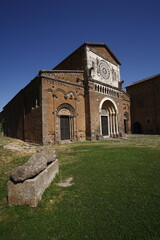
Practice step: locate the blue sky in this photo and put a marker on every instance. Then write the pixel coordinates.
(38, 34)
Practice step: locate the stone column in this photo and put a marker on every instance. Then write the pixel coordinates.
(114, 129)
(116, 118)
(110, 124)
(71, 128)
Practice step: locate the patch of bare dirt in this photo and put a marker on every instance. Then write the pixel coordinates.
(20, 146)
(66, 183)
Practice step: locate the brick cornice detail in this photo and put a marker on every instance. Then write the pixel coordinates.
(61, 81)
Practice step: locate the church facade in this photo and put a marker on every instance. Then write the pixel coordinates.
(80, 99)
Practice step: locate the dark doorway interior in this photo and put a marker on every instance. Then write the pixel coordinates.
(104, 120)
(137, 129)
(125, 125)
(65, 130)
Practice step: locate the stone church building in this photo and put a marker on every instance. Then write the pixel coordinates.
(79, 99)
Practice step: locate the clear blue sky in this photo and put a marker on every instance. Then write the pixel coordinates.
(36, 34)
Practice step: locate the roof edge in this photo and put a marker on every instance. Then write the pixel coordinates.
(89, 44)
(61, 71)
(107, 48)
(143, 80)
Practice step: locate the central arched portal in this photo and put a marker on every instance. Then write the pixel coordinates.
(108, 118)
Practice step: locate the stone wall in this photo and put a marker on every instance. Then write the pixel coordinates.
(145, 105)
(28, 182)
(22, 115)
(118, 99)
(1, 124)
(59, 95)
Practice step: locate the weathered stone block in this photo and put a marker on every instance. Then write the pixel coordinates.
(30, 191)
(37, 163)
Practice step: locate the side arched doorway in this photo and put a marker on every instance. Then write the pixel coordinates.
(66, 115)
(108, 118)
(126, 123)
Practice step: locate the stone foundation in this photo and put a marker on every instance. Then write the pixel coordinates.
(30, 191)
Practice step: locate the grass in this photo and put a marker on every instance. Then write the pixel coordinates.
(115, 194)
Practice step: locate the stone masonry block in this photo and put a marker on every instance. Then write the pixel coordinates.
(30, 191)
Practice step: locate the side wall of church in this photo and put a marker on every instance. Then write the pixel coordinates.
(22, 115)
(63, 98)
(13, 117)
(1, 124)
(145, 106)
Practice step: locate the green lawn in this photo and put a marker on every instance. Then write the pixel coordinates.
(115, 194)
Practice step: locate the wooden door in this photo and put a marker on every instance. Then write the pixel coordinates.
(104, 122)
(65, 129)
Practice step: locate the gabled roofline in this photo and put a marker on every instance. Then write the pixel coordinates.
(143, 80)
(103, 45)
(90, 44)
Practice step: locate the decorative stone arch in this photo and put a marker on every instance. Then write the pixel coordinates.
(126, 115)
(62, 91)
(66, 107)
(105, 99)
(49, 90)
(108, 118)
(71, 94)
(66, 114)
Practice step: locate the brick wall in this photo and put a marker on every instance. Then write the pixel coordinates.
(22, 114)
(56, 93)
(93, 100)
(145, 105)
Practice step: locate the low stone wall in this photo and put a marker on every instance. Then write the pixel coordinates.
(30, 191)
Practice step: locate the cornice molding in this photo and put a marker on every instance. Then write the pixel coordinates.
(61, 81)
(61, 71)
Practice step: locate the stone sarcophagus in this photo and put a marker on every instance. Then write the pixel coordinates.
(28, 182)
